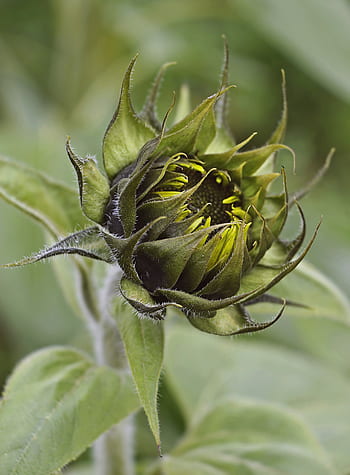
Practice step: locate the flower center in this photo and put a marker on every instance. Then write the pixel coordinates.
(216, 192)
(217, 199)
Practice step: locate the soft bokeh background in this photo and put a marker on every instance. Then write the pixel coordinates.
(62, 63)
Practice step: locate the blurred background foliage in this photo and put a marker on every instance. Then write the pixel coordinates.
(62, 62)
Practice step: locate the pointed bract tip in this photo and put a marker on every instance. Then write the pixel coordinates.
(329, 157)
(283, 74)
(167, 114)
(159, 448)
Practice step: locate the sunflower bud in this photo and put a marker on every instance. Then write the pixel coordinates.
(186, 214)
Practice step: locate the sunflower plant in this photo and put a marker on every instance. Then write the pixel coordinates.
(188, 222)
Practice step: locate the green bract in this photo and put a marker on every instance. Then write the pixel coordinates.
(186, 214)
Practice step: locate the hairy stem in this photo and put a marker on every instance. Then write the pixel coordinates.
(113, 451)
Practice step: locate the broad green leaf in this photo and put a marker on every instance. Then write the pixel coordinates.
(262, 373)
(302, 31)
(52, 204)
(55, 404)
(56, 207)
(242, 437)
(143, 340)
(315, 336)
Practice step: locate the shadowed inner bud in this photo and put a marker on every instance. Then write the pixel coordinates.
(205, 200)
(203, 220)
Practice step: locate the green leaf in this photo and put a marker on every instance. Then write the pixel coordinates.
(298, 29)
(143, 340)
(54, 205)
(263, 373)
(55, 404)
(126, 133)
(241, 437)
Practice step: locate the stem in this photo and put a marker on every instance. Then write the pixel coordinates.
(113, 451)
(108, 347)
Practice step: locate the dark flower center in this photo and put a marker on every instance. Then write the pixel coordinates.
(217, 196)
(213, 191)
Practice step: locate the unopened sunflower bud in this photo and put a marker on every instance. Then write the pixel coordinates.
(190, 226)
(187, 215)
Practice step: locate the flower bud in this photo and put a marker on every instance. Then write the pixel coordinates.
(186, 214)
(190, 219)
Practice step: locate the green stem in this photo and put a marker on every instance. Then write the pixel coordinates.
(113, 451)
